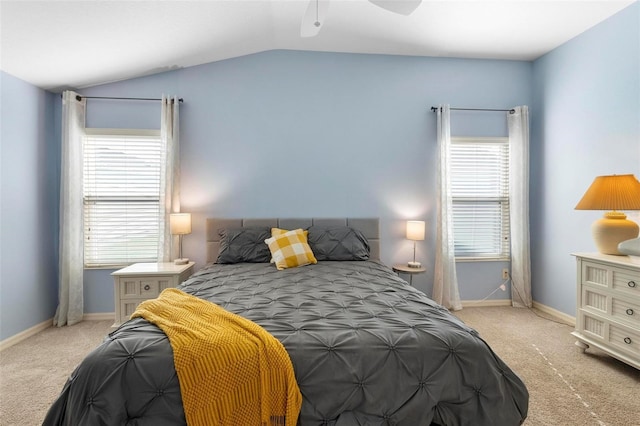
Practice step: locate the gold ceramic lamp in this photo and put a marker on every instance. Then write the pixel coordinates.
(613, 193)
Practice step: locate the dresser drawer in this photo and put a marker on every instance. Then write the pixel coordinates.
(626, 311)
(593, 326)
(625, 339)
(144, 287)
(626, 282)
(594, 299)
(596, 275)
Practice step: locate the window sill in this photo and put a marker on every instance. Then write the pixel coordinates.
(483, 259)
(116, 265)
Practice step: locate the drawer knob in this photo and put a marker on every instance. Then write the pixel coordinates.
(147, 287)
(627, 340)
(629, 311)
(631, 284)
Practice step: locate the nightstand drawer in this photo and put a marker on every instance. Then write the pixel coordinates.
(143, 281)
(147, 287)
(128, 307)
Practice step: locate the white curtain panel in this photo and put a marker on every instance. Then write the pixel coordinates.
(445, 284)
(518, 123)
(170, 174)
(71, 255)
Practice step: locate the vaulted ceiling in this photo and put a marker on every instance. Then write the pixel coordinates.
(61, 44)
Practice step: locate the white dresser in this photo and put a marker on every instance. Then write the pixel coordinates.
(608, 305)
(142, 281)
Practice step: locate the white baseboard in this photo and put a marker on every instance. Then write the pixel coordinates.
(484, 303)
(554, 313)
(560, 316)
(100, 316)
(17, 338)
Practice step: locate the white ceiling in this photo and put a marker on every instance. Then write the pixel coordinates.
(59, 44)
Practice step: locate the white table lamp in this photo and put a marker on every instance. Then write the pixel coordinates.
(415, 232)
(180, 224)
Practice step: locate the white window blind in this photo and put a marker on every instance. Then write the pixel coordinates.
(480, 197)
(121, 196)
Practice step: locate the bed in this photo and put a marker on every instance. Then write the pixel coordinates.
(366, 347)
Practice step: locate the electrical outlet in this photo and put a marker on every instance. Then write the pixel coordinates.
(505, 274)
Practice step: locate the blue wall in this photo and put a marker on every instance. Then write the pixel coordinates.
(29, 210)
(586, 123)
(289, 133)
(358, 129)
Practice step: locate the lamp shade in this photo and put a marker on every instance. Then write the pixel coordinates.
(180, 223)
(415, 230)
(615, 192)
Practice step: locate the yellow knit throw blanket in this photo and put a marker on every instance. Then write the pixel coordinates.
(231, 371)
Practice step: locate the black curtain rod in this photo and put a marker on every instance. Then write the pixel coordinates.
(79, 98)
(510, 111)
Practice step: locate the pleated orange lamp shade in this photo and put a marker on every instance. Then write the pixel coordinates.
(612, 193)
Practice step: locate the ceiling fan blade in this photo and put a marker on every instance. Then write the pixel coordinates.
(403, 7)
(313, 19)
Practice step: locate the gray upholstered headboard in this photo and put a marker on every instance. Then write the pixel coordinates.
(370, 227)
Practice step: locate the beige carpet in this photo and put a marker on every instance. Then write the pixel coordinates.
(566, 386)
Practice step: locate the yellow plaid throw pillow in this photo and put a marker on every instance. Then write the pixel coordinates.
(290, 249)
(278, 231)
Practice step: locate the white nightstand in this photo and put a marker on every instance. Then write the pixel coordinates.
(404, 268)
(142, 281)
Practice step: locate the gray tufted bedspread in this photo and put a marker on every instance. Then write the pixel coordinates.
(367, 349)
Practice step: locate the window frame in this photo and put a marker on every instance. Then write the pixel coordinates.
(108, 132)
(504, 201)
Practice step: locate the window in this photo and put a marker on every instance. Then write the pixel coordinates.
(121, 184)
(480, 197)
